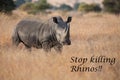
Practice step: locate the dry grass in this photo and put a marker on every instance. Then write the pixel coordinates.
(91, 34)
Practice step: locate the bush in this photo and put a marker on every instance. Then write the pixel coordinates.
(42, 5)
(19, 2)
(6, 6)
(27, 7)
(112, 6)
(33, 8)
(65, 7)
(28, 0)
(76, 6)
(89, 7)
(82, 7)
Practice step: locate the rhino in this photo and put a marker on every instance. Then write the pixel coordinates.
(53, 33)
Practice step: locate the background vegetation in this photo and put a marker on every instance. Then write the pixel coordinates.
(91, 34)
(6, 6)
(34, 8)
(111, 6)
(89, 7)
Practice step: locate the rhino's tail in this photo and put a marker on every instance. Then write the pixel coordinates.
(15, 38)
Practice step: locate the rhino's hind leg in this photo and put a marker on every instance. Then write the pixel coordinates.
(27, 47)
(15, 42)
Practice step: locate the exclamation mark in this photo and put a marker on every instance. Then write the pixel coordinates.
(100, 68)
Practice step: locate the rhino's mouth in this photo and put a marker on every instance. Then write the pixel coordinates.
(66, 43)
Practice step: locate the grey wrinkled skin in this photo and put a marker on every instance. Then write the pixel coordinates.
(54, 33)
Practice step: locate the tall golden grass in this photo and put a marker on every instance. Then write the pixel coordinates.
(91, 34)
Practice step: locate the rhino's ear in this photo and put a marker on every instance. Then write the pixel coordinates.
(55, 20)
(69, 19)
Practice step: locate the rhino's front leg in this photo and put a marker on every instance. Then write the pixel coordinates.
(46, 47)
(58, 47)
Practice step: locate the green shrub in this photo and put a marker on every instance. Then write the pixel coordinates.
(112, 6)
(27, 7)
(19, 2)
(82, 7)
(76, 6)
(65, 7)
(42, 5)
(33, 8)
(89, 7)
(6, 6)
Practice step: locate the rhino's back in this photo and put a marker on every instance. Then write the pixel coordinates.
(28, 26)
(33, 32)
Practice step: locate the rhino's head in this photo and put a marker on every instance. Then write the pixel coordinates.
(63, 30)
